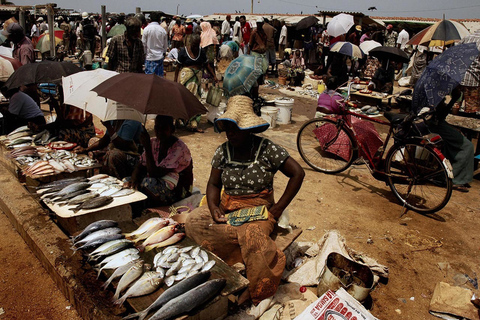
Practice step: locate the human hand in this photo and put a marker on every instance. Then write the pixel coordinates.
(218, 215)
(79, 149)
(130, 185)
(276, 211)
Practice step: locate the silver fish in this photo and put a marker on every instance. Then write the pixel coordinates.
(120, 271)
(194, 253)
(185, 255)
(111, 190)
(161, 271)
(94, 203)
(188, 262)
(157, 258)
(169, 281)
(170, 249)
(95, 226)
(173, 257)
(118, 262)
(110, 248)
(185, 249)
(198, 266)
(207, 266)
(99, 241)
(180, 276)
(192, 272)
(123, 193)
(185, 269)
(82, 198)
(199, 259)
(99, 234)
(72, 188)
(128, 278)
(204, 255)
(174, 268)
(149, 282)
(118, 255)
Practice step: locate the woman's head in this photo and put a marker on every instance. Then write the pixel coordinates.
(206, 26)
(164, 127)
(297, 53)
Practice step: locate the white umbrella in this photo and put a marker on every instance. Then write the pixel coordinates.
(368, 45)
(340, 24)
(6, 69)
(77, 92)
(195, 16)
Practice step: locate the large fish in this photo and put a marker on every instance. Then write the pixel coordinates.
(82, 198)
(99, 241)
(71, 188)
(172, 292)
(127, 279)
(70, 196)
(120, 271)
(94, 203)
(148, 227)
(118, 255)
(110, 248)
(148, 283)
(172, 240)
(98, 234)
(159, 236)
(118, 262)
(95, 226)
(189, 300)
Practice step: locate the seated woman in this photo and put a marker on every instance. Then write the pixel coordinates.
(384, 77)
(244, 167)
(297, 69)
(328, 101)
(165, 170)
(22, 109)
(117, 150)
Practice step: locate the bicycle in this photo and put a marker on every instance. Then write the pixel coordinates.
(413, 167)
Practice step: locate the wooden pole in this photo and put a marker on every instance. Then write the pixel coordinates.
(51, 30)
(21, 18)
(251, 8)
(104, 26)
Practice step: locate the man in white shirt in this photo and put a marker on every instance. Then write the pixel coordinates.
(226, 28)
(155, 42)
(282, 41)
(403, 38)
(237, 31)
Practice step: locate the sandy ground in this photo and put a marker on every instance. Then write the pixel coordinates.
(361, 208)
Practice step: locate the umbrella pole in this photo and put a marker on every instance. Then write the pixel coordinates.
(145, 122)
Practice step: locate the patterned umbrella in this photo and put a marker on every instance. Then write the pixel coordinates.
(116, 30)
(441, 33)
(340, 24)
(442, 75)
(242, 74)
(7, 67)
(43, 44)
(472, 76)
(347, 49)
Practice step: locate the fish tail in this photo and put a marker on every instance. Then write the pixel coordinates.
(99, 272)
(106, 284)
(148, 248)
(141, 315)
(116, 295)
(141, 248)
(121, 300)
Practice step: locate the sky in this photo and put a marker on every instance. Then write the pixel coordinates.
(453, 9)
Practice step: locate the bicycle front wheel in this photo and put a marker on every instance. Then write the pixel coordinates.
(418, 177)
(325, 145)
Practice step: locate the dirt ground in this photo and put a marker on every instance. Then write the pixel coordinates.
(361, 208)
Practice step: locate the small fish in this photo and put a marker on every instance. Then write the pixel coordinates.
(197, 266)
(185, 249)
(195, 252)
(95, 226)
(174, 268)
(185, 269)
(157, 258)
(148, 283)
(199, 259)
(185, 255)
(94, 203)
(128, 278)
(170, 249)
(180, 276)
(161, 271)
(204, 255)
(173, 257)
(188, 262)
(192, 272)
(169, 281)
(120, 271)
(207, 266)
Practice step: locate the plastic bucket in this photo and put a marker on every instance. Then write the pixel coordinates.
(284, 106)
(269, 114)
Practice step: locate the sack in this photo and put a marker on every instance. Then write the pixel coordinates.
(239, 217)
(214, 96)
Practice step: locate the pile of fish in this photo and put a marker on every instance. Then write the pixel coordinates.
(43, 138)
(19, 137)
(111, 251)
(26, 152)
(94, 192)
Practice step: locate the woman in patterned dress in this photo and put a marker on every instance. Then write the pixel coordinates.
(244, 167)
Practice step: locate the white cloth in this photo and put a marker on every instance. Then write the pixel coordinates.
(403, 38)
(170, 27)
(225, 27)
(154, 41)
(283, 36)
(237, 32)
(173, 54)
(35, 32)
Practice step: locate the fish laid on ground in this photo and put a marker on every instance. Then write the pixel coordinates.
(127, 279)
(159, 236)
(123, 193)
(148, 283)
(172, 240)
(120, 271)
(95, 226)
(98, 234)
(189, 300)
(171, 293)
(118, 262)
(99, 241)
(20, 141)
(110, 248)
(19, 129)
(148, 227)
(72, 188)
(94, 203)
(61, 183)
(118, 255)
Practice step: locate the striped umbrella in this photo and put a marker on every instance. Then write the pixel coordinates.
(441, 33)
(347, 49)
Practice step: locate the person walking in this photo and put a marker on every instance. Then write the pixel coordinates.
(402, 40)
(226, 28)
(155, 44)
(271, 55)
(282, 41)
(237, 31)
(390, 37)
(178, 32)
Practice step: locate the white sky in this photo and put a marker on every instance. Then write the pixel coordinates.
(453, 9)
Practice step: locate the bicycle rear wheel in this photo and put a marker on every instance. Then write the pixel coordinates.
(325, 145)
(418, 177)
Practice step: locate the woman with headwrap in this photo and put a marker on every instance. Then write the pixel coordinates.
(209, 43)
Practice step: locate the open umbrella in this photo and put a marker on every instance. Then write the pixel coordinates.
(340, 24)
(116, 30)
(442, 75)
(306, 22)
(43, 44)
(151, 94)
(347, 49)
(8, 65)
(242, 73)
(368, 45)
(195, 16)
(77, 92)
(472, 75)
(42, 72)
(390, 53)
(441, 33)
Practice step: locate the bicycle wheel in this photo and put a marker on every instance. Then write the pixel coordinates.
(325, 145)
(418, 177)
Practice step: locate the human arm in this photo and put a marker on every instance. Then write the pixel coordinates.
(295, 173)
(151, 167)
(100, 144)
(214, 187)
(139, 172)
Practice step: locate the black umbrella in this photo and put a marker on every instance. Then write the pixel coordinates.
(390, 53)
(306, 22)
(43, 72)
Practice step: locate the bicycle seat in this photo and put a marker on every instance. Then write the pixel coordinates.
(395, 118)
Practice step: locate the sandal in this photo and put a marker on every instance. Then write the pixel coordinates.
(460, 188)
